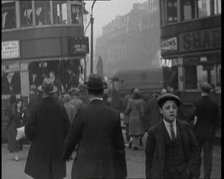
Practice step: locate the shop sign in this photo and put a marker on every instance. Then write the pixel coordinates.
(79, 45)
(10, 67)
(10, 49)
(200, 40)
(169, 44)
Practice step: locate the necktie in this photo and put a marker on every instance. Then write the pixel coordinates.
(172, 132)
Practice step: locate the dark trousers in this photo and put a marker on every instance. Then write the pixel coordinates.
(207, 148)
(50, 173)
(127, 131)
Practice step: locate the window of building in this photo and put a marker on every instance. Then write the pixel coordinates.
(202, 74)
(8, 16)
(60, 14)
(76, 14)
(217, 6)
(171, 11)
(204, 8)
(42, 12)
(187, 9)
(26, 13)
(190, 77)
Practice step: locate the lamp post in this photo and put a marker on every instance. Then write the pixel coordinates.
(85, 61)
(91, 21)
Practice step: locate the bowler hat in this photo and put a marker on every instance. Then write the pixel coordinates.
(168, 96)
(96, 83)
(47, 86)
(205, 87)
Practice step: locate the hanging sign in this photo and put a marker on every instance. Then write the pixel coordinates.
(169, 44)
(79, 45)
(10, 49)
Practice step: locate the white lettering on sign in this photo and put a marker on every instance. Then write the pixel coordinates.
(10, 49)
(169, 44)
(10, 67)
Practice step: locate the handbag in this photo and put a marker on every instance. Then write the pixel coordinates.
(20, 133)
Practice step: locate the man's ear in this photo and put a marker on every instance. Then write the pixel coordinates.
(160, 110)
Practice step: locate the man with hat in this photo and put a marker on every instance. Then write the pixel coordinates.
(46, 129)
(171, 149)
(97, 131)
(205, 121)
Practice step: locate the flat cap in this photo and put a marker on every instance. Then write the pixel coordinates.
(168, 96)
(205, 87)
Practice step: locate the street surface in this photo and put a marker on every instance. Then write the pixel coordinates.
(135, 163)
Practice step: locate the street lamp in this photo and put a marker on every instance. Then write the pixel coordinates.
(91, 21)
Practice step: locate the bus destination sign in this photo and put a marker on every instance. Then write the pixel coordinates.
(79, 45)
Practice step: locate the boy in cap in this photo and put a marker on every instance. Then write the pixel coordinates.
(171, 148)
(97, 131)
(206, 118)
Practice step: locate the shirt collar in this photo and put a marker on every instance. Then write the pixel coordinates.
(168, 124)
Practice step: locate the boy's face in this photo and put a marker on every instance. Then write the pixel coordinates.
(169, 110)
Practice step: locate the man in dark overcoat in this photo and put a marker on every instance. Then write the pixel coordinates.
(46, 129)
(171, 149)
(206, 118)
(97, 131)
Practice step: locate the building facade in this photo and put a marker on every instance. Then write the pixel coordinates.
(191, 48)
(131, 41)
(191, 42)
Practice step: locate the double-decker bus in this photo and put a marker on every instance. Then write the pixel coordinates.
(38, 38)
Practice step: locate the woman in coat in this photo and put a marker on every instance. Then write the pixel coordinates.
(135, 111)
(16, 119)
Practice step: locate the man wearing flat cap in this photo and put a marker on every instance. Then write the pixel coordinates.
(171, 149)
(46, 129)
(97, 131)
(206, 118)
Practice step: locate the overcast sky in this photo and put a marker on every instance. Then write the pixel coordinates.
(105, 11)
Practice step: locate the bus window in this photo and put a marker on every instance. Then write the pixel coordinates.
(8, 16)
(26, 13)
(42, 15)
(60, 15)
(76, 14)
(11, 79)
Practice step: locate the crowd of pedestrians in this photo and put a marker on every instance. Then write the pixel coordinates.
(58, 124)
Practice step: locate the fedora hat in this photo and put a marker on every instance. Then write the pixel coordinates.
(205, 87)
(168, 96)
(47, 86)
(96, 83)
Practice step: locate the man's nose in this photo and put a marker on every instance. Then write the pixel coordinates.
(172, 109)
